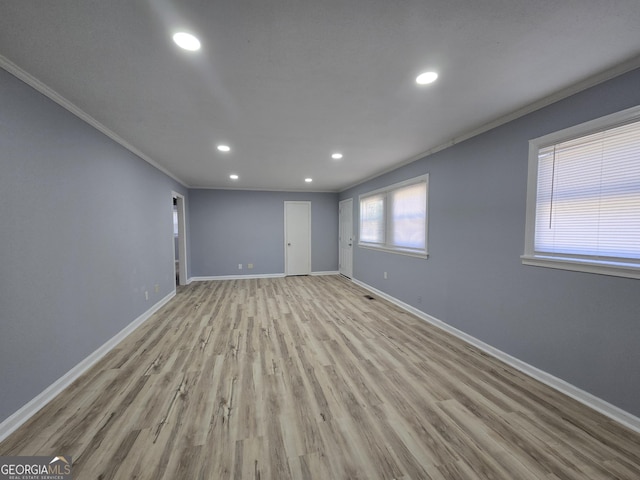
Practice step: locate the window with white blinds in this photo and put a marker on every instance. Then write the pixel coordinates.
(372, 220)
(584, 209)
(395, 218)
(175, 221)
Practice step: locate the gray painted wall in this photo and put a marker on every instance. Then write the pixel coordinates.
(86, 229)
(583, 328)
(229, 227)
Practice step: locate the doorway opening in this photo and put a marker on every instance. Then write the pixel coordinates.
(179, 239)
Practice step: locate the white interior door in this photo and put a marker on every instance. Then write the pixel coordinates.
(346, 238)
(297, 236)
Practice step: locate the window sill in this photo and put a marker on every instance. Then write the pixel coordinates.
(616, 269)
(395, 250)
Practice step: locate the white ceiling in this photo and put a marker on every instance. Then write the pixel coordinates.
(288, 82)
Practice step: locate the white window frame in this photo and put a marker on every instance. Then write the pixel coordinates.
(600, 265)
(387, 225)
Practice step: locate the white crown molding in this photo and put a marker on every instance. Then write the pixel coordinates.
(48, 92)
(11, 424)
(615, 413)
(592, 81)
(256, 189)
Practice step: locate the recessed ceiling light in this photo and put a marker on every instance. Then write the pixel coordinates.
(186, 41)
(308, 180)
(336, 156)
(426, 78)
(224, 148)
(233, 176)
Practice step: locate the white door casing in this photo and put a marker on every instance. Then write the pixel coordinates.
(297, 238)
(345, 239)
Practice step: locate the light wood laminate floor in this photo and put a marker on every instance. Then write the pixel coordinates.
(304, 377)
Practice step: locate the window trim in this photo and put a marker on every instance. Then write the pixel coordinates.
(385, 190)
(609, 266)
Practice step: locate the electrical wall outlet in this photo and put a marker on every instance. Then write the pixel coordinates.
(249, 266)
(146, 294)
(385, 275)
(157, 287)
(239, 266)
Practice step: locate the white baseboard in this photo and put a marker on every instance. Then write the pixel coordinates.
(8, 426)
(615, 413)
(236, 277)
(248, 277)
